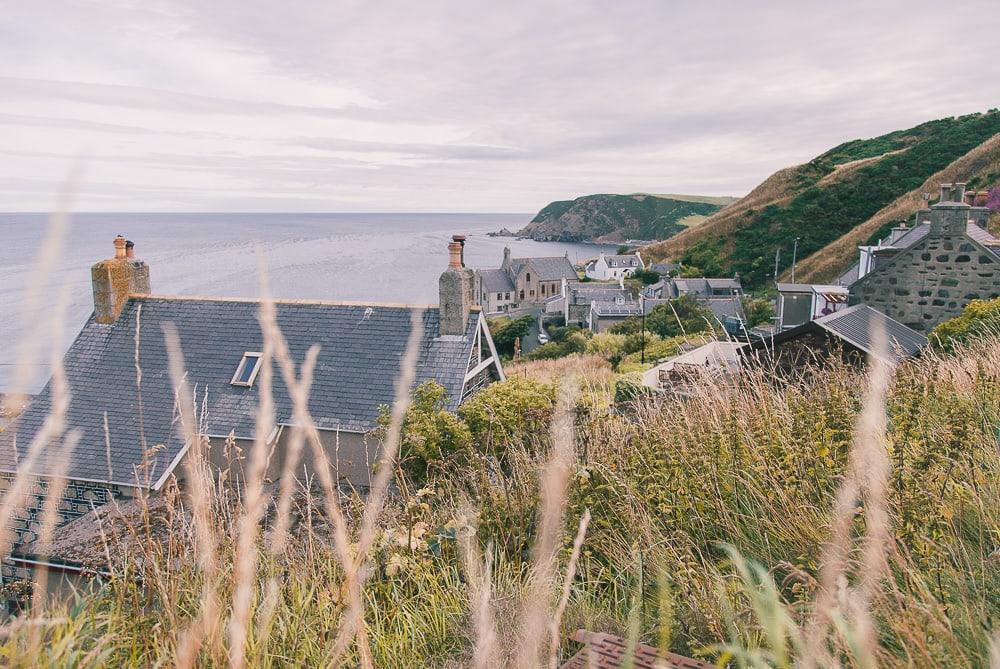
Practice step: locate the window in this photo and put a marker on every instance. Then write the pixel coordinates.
(247, 370)
(527, 277)
(522, 294)
(499, 296)
(531, 293)
(506, 296)
(543, 290)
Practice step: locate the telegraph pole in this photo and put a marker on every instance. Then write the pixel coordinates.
(777, 255)
(642, 309)
(795, 253)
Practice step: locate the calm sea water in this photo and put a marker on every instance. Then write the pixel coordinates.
(377, 257)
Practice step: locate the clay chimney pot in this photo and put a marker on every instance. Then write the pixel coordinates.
(130, 249)
(120, 243)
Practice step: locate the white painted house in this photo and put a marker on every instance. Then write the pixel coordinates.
(613, 267)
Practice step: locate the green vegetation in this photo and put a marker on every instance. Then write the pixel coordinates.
(506, 331)
(646, 276)
(758, 311)
(819, 213)
(980, 318)
(731, 525)
(615, 217)
(679, 316)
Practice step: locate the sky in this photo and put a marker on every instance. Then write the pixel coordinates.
(459, 106)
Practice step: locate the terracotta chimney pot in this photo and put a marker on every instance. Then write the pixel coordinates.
(120, 243)
(455, 255)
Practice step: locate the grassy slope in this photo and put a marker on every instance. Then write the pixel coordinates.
(835, 196)
(619, 217)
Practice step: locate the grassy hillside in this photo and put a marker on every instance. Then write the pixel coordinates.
(835, 196)
(615, 218)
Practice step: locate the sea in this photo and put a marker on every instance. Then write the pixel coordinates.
(371, 257)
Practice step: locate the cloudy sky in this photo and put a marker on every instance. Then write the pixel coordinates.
(334, 105)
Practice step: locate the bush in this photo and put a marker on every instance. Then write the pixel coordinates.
(574, 342)
(757, 311)
(607, 344)
(646, 276)
(430, 432)
(979, 318)
(506, 413)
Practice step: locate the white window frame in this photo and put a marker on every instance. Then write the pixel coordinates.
(239, 368)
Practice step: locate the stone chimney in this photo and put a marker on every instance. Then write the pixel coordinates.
(950, 216)
(456, 290)
(117, 278)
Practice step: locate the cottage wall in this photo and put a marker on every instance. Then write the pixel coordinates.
(931, 281)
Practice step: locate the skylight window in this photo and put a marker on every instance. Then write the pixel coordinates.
(247, 370)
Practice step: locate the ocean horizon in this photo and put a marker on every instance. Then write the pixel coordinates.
(375, 257)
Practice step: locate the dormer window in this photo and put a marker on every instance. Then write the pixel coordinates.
(247, 370)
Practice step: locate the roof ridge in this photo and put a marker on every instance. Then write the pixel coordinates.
(248, 300)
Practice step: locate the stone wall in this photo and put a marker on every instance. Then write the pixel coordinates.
(931, 281)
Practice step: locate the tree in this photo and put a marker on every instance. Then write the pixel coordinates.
(505, 331)
(681, 315)
(757, 311)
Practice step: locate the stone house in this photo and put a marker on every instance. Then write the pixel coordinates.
(932, 271)
(131, 440)
(522, 282)
(609, 267)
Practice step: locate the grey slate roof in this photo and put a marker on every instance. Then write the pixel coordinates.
(855, 325)
(360, 351)
(723, 307)
(630, 260)
(547, 269)
(496, 281)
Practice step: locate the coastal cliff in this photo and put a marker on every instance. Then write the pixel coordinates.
(616, 218)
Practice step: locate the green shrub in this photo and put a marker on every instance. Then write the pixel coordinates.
(757, 310)
(430, 432)
(979, 318)
(506, 413)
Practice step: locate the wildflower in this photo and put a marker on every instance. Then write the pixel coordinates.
(395, 565)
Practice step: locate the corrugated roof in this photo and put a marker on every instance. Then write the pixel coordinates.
(361, 347)
(856, 325)
(607, 651)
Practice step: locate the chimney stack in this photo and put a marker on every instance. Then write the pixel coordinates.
(456, 287)
(950, 216)
(115, 279)
(958, 195)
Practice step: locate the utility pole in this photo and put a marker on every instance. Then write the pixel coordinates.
(777, 255)
(795, 253)
(642, 309)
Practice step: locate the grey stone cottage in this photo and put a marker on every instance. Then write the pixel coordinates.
(929, 273)
(131, 436)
